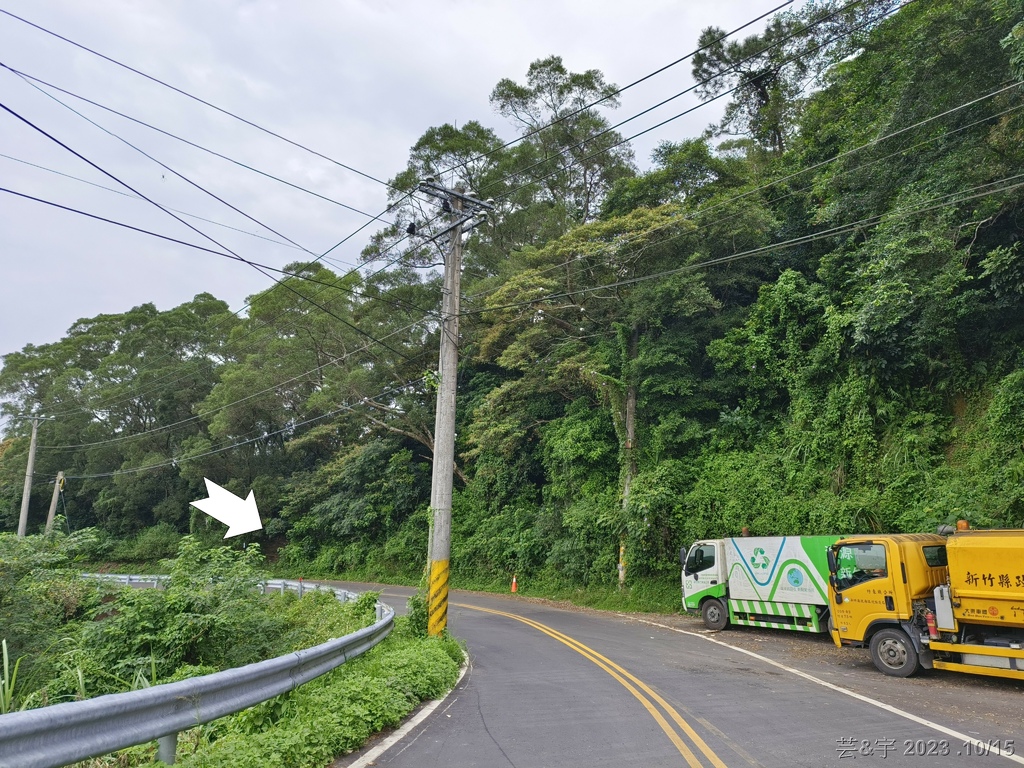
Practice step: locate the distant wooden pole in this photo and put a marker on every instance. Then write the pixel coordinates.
(58, 486)
(27, 490)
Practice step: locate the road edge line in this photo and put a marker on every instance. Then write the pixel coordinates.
(407, 727)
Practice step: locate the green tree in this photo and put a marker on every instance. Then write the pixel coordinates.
(568, 152)
(769, 73)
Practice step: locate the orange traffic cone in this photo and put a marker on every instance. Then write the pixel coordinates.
(514, 587)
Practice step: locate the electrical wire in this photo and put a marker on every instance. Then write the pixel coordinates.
(677, 61)
(135, 197)
(172, 171)
(935, 203)
(573, 113)
(199, 100)
(192, 183)
(521, 138)
(190, 226)
(107, 404)
(214, 153)
(690, 110)
(220, 449)
(704, 211)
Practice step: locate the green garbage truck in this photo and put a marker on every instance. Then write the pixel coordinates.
(778, 582)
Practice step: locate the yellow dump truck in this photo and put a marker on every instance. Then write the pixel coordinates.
(930, 601)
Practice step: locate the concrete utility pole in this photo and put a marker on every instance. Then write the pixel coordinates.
(27, 490)
(58, 486)
(464, 209)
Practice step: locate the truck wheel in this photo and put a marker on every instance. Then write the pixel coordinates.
(714, 614)
(893, 653)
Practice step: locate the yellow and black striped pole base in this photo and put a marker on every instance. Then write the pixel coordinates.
(437, 598)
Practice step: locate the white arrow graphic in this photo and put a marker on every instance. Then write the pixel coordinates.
(239, 515)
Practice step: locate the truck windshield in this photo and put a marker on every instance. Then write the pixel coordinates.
(859, 563)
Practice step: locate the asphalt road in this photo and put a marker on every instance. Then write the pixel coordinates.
(553, 685)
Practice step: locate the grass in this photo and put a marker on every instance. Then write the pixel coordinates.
(9, 682)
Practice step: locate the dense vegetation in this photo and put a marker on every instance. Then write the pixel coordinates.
(77, 637)
(808, 320)
(68, 637)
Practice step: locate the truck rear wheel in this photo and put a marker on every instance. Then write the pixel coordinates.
(714, 614)
(893, 653)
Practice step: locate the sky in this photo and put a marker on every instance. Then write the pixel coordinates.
(358, 82)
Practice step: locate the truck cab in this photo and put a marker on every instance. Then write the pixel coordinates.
(880, 589)
(704, 581)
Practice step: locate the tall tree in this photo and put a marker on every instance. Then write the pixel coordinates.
(568, 151)
(769, 73)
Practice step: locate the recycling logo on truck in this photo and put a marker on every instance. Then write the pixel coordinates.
(760, 559)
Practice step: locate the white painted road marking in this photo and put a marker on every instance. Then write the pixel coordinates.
(987, 747)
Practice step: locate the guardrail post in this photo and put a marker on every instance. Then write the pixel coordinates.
(166, 748)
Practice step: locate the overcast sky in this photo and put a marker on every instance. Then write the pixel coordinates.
(359, 82)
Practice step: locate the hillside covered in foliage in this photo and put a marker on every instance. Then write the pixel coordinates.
(808, 320)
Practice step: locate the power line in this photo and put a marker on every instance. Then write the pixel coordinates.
(628, 86)
(936, 203)
(940, 201)
(175, 240)
(222, 448)
(519, 139)
(190, 226)
(688, 90)
(613, 94)
(136, 197)
(322, 256)
(622, 89)
(172, 170)
(239, 163)
(232, 256)
(287, 274)
(841, 155)
(704, 211)
(197, 99)
(692, 109)
(317, 257)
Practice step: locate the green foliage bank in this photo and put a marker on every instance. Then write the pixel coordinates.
(66, 638)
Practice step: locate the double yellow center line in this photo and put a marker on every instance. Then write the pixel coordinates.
(643, 693)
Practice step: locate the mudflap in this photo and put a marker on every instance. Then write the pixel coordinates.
(925, 655)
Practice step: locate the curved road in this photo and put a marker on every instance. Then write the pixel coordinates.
(556, 686)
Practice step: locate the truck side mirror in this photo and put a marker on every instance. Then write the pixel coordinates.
(682, 558)
(833, 566)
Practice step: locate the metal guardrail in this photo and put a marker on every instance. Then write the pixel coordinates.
(60, 734)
